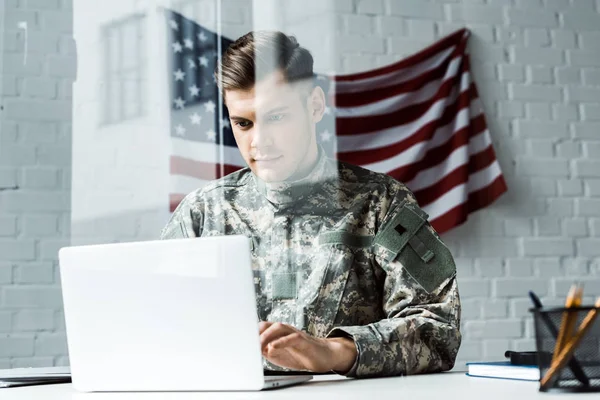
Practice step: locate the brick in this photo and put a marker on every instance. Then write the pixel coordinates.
(543, 187)
(390, 26)
(32, 362)
(560, 207)
(538, 111)
(483, 32)
(61, 21)
(548, 247)
(405, 46)
(540, 148)
(8, 178)
(591, 76)
(586, 130)
(41, 4)
(518, 227)
(565, 112)
(51, 344)
(464, 267)
(358, 63)
(581, 21)
(469, 350)
(588, 247)
(62, 361)
(34, 320)
(519, 267)
(545, 267)
(366, 44)
(17, 155)
(8, 132)
(494, 308)
(358, 24)
(446, 28)
(505, 328)
(489, 267)
(510, 35)
(537, 37)
(511, 73)
(583, 58)
(563, 39)
(494, 349)
(590, 112)
(8, 225)
(537, 56)
(489, 247)
(587, 168)
(582, 93)
(547, 226)
(570, 187)
(59, 321)
(37, 202)
(539, 74)
(510, 109)
(5, 273)
(568, 75)
(474, 288)
(5, 321)
(524, 344)
(14, 64)
(483, 51)
(39, 225)
(40, 178)
(40, 88)
(569, 149)
(16, 345)
(592, 187)
(17, 249)
(18, 14)
(520, 307)
(519, 91)
(576, 267)
(35, 273)
(37, 110)
(5, 363)
(33, 133)
(32, 296)
(475, 13)
(421, 29)
(541, 129)
(470, 309)
(49, 248)
(374, 7)
(590, 40)
(532, 18)
(592, 149)
(416, 9)
(8, 86)
(562, 286)
(538, 167)
(61, 66)
(54, 155)
(575, 228)
(519, 287)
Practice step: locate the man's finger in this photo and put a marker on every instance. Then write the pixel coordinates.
(263, 325)
(273, 332)
(290, 340)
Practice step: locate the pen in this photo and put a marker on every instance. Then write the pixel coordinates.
(571, 345)
(573, 364)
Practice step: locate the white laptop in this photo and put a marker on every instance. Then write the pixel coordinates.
(170, 315)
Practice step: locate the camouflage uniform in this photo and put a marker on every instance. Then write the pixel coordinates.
(342, 252)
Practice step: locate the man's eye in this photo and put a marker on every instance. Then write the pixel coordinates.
(243, 124)
(275, 117)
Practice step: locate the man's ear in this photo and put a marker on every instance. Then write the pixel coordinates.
(316, 103)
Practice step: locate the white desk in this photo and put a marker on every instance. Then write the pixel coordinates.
(451, 385)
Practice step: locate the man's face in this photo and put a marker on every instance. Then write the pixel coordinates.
(273, 125)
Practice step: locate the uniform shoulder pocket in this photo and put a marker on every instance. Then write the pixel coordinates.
(409, 239)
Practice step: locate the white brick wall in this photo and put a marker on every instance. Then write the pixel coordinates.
(536, 63)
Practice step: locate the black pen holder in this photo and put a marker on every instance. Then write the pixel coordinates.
(581, 373)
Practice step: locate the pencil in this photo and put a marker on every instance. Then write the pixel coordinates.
(562, 334)
(564, 355)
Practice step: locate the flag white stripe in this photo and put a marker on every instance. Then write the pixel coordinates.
(206, 152)
(186, 184)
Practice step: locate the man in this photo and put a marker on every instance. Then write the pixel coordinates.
(349, 275)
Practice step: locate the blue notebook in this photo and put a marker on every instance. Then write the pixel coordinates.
(503, 370)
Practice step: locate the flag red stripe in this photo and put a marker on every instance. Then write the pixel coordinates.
(174, 200)
(426, 132)
(421, 56)
(367, 124)
(458, 176)
(199, 169)
(477, 200)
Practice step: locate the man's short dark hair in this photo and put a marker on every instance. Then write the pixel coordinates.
(260, 53)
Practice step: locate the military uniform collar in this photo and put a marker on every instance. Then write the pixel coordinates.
(287, 193)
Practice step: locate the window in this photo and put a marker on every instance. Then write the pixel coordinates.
(123, 70)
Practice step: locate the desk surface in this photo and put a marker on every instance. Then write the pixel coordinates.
(450, 385)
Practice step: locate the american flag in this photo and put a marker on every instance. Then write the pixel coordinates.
(418, 120)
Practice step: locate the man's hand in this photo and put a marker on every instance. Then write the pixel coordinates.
(288, 347)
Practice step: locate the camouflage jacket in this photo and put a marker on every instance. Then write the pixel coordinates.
(342, 252)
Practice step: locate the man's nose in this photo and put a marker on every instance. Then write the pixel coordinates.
(261, 137)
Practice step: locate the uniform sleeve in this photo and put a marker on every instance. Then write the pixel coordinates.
(186, 220)
(420, 299)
